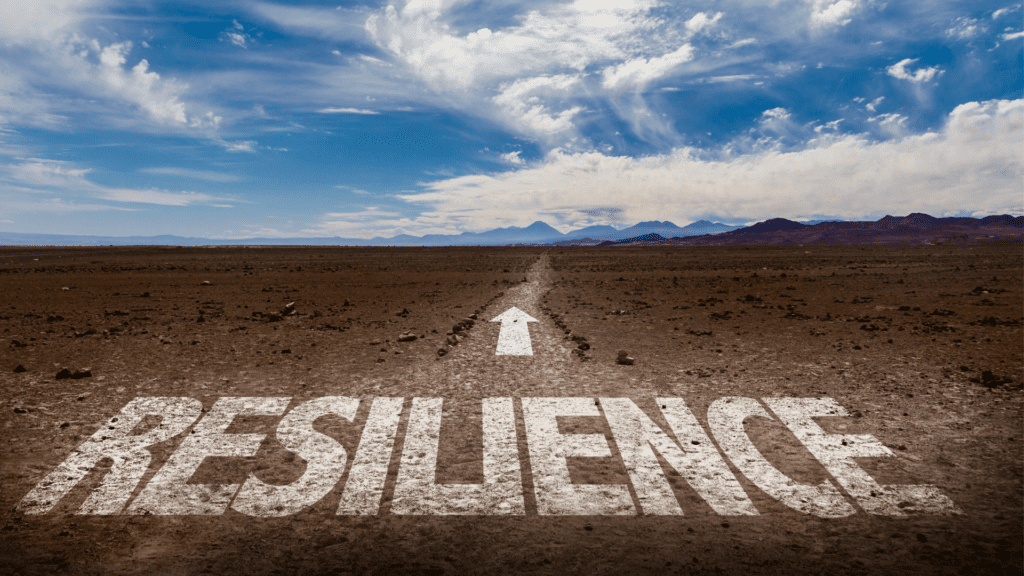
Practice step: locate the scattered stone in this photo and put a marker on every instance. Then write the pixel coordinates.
(346, 303)
(288, 310)
(18, 344)
(624, 358)
(989, 380)
(19, 410)
(19, 369)
(63, 374)
(407, 337)
(144, 295)
(274, 317)
(65, 289)
(206, 283)
(441, 351)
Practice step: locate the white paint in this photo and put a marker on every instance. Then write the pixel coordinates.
(556, 494)
(365, 485)
(128, 453)
(169, 491)
(514, 337)
(325, 461)
(699, 464)
(725, 417)
(836, 452)
(416, 491)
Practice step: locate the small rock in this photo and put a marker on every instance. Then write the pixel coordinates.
(274, 317)
(623, 353)
(65, 289)
(347, 303)
(20, 411)
(441, 351)
(19, 369)
(83, 373)
(206, 283)
(406, 337)
(64, 374)
(288, 310)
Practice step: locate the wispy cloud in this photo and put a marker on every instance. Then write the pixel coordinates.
(346, 111)
(207, 175)
(63, 178)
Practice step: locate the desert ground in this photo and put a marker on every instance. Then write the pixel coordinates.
(919, 347)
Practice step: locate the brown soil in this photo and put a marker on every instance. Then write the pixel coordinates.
(894, 335)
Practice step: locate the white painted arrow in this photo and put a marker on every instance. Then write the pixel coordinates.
(514, 338)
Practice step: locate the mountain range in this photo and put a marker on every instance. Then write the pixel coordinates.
(915, 228)
(536, 233)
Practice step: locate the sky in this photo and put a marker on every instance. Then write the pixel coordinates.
(234, 119)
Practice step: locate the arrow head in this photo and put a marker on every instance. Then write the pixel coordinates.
(513, 314)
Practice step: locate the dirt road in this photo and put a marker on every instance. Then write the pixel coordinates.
(348, 411)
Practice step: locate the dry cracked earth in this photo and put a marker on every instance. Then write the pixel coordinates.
(439, 456)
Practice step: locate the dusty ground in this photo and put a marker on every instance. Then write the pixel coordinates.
(894, 335)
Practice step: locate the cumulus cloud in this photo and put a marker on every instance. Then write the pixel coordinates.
(534, 76)
(975, 162)
(899, 70)
(513, 158)
(45, 53)
(1013, 36)
(828, 13)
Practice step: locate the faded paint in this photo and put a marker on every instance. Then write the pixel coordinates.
(365, 485)
(416, 491)
(128, 453)
(836, 452)
(325, 461)
(556, 494)
(694, 457)
(169, 491)
(725, 417)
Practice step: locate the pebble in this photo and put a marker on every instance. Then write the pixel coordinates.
(406, 337)
(206, 283)
(19, 369)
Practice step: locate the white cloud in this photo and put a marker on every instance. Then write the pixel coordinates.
(59, 177)
(535, 76)
(239, 146)
(1004, 11)
(975, 162)
(870, 106)
(1013, 36)
(346, 111)
(702, 21)
(236, 35)
(513, 158)
(965, 28)
(207, 175)
(828, 13)
(637, 73)
(521, 104)
(899, 70)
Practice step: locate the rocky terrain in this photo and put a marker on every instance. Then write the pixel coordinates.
(920, 344)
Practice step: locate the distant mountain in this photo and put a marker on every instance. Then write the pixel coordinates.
(910, 229)
(536, 233)
(644, 239)
(890, 230)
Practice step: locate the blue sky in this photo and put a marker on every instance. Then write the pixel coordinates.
(242, 119)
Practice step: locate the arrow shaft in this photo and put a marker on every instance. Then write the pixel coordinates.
(514, 340)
